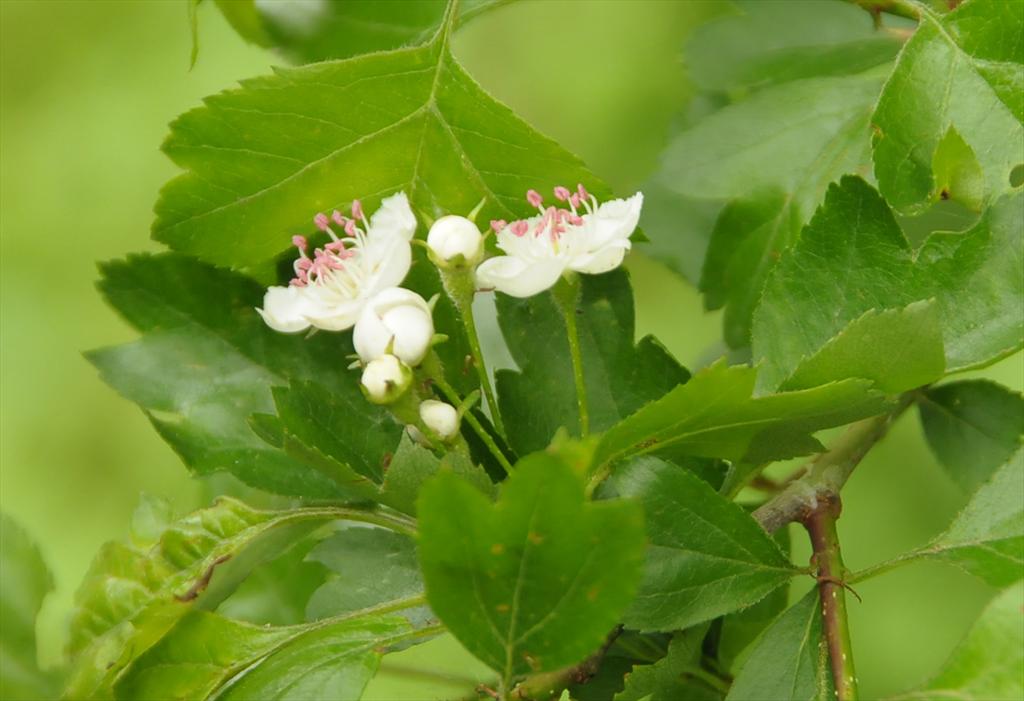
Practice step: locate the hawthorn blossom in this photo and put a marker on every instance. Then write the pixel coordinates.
(585, 238)
(395, 321)
(363, 257)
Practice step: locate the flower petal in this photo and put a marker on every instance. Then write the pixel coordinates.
(393, 218)
(614, 220)
(519, 278)
(601, 261)
(386, 260)
(284, 308)
(396, 317)
(331, 312)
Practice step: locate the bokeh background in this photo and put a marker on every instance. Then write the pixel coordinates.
(87, 89)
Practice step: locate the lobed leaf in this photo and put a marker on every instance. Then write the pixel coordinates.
(707, 556)
(674, 676)
(536, 581)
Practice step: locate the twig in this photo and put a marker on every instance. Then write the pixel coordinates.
(542, 687)
(821, 526)
(900, 8)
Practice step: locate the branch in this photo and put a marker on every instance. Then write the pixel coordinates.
(542, 687)
(900, 8)
(825, 476)
(821, 526)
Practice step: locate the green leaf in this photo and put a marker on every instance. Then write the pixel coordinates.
(716, 415)
(413, 466)
(789, 661)
(852, 258)
(773, 154)
(368, 566)
(973, 427)
(310, 32)
(962, 71)
(987, 665)
(673, 677)
(897, 349)
(958, 175)
(987, 537)
(620, 377)
(262, 159)
(536, 581)
(25, 581)
(206, 362)
(130, 598)
(766, 43)
(208, 656)
(707, 558)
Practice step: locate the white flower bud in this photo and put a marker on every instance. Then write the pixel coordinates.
(440, 418)
(395, 321)
(452, 235)
(385, 379)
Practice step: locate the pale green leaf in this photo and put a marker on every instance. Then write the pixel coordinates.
(536, 581)
(707, 556)
(673, 677)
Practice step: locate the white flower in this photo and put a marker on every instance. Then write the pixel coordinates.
(540, 249)
(396, 321)
(452, 236)
(334, 285)
(385, 379)
(439, 417)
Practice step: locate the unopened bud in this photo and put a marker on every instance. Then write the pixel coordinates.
(452, 236)
(385, 379)
(439, 417)
(398, 322)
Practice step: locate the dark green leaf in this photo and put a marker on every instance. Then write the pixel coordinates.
(207, 362)
(368, 566)
(130, 598)
(207, 655)
(708, 557)
(964, 71)
(25, 581)
(973, 427)
(789, 661)
(621, 377)
(765, 43)
(987, 664)
(413, 465)
(672, 677)
(716, 415)
(536, 581)
(897, 349)
(309, 32)
(262, 159)
(852, 258)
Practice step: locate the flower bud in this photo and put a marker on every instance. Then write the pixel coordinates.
(385, 379)
(395, 321)
(452, 236)
(440, 418)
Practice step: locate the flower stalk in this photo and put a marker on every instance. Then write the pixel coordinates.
(567, 296)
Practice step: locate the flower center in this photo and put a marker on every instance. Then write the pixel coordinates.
(554, 221)
(336, 266)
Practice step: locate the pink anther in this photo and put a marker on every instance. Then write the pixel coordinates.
(534, 198)
(321, 221)
(498, 225)
(562, 193)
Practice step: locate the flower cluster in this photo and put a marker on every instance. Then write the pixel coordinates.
(354, 280)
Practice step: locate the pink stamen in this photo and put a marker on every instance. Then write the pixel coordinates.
(575, 220)
(561, 193)
(350, 227)
(498, 225)
(299, 242)
(582, 192)
(336, 247)
(338, 218)
(534, 198)
(574, 200)
(519, 228)
(357, 209)
(321, 221)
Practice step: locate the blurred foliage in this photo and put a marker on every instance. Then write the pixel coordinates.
(87, 92)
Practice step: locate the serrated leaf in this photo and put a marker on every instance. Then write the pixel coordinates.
(206, 362)
(707, 556)
(973, 427)
(964, 70)
(897, 349)
(789, 661)
(262, 159)
(310, 32)
(777, 42)
(536, 581)
(413, 465)
(672, 677)
(853, 258)
(208, 656)
(368, 567)
(130, 597)
(987, 665)
(620, 376)
(25, 581)
(715, 414)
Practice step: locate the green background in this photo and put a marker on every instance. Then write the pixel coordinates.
(87, 91)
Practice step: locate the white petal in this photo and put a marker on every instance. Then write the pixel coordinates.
(519, 278)
(393, 218)
(398, 318)
(386, 261)
(331, 312)
(614, 220)
(601, 261)
(284, 309)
